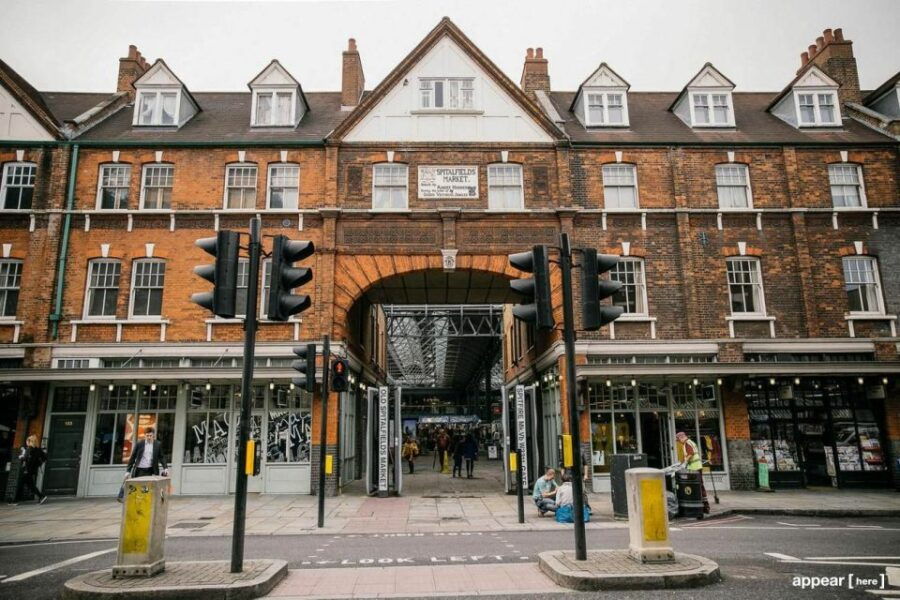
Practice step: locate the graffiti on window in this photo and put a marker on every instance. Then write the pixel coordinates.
(288, 436)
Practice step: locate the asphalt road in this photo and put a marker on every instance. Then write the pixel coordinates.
(760, 557)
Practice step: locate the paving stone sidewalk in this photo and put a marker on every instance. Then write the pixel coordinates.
(274, 514)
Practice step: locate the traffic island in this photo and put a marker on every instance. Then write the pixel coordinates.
(182, 581)
(617, 570)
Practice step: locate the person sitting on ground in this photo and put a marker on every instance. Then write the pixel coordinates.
(545, 492)
(564, 494)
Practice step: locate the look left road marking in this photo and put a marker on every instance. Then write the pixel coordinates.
(54, 566)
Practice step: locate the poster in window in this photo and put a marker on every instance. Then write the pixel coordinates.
(145, 422)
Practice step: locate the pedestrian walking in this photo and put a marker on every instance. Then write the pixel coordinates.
(458, 453)
(410, 452)
(443, 445)
(33, 458)
(470, 453)
(147, 457)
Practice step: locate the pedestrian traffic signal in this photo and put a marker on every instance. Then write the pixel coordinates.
(306, 366)
(285, 277)
(340, 371)
(537, 289)
(593, 290)
(223, 274)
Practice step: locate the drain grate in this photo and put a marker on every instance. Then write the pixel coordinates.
(188, 525)
(451, 518)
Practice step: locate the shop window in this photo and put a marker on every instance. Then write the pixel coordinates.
(156, 187)
(505, 190)
(103, 289)
(240, 186)
(70, 399)
(17, 185)
(147, 283)
(208, 424)
(114, 436)
(156, 409)
(620, 187)
(389, 186)
(10, 282)
(862, 284)
(632, 296)
(284, 186)
(745, 286)
(733, 186)
(847, 190)
(289, 426)
(695, 412)
(114, 187)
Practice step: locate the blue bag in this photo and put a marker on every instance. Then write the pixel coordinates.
(564, 514)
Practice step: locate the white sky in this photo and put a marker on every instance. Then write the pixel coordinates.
(215, 45)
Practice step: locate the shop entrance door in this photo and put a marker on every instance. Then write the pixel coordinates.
(655, 439)
(254, 483)
(64, 454)
(384, 431)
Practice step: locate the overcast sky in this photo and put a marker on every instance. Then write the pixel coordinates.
(215, 45)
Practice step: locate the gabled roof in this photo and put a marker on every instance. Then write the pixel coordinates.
(811, 70)
(275, 66)
(447, 28)
(708, 69)
(603, 69)
(155, 68)
(30, 98)
(882, 89)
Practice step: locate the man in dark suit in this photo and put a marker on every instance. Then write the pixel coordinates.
(147, 457)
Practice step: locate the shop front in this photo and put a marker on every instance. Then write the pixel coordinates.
(819, 432)
(643, 417)
(92, 430)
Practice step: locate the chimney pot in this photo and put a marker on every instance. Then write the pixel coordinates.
(804, 58)
(132, 51)
(351, 45)
(353, 81)
(539, 53)
(839, 35)
(812, 50)
(828, 35)
(820, 42)
(529, 53)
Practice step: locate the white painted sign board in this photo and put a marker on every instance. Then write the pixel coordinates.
(448, 182)
(521, 437)
(383, 439)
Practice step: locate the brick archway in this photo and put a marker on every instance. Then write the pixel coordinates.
(354, 275)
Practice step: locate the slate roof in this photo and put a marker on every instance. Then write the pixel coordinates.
(884, 87)
(652, 122)
(225, 118)
(65, 106)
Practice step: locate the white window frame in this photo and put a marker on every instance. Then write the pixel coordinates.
(748, 187)
(87, 290)
(272, 92)
(239, 165)
(604, 104)
(157, 109)
(144, 169)
(761, 309)
(374, 186)
(640, 287)
(817, 122)
(100, 187)
(637, 196)
(426, 89)
(879, 296)
(521, 205)
(863, 203)
(5, 289)
(3, 184)
(269, 184)
(131, 295)
(711, 107)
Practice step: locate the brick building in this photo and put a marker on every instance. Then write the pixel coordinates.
(758, 234)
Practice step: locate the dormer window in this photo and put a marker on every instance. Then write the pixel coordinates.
(158, 107)
(816, 108)
(606, 108)
(274, 109)
(449, 94)
(712, 110)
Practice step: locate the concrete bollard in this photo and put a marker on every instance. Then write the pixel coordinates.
(142, 534)
(648, 519)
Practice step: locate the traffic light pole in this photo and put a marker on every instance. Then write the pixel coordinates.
(240, 495)
(565, 264)
(323, 436)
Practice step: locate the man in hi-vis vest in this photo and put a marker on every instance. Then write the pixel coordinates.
(693, 462)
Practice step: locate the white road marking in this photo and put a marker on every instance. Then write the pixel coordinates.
(781, 556)
(798, 524)
(54, 566)
(844, 529)
(8, 546)
(897, 558)
(864, 526)
(805, 561)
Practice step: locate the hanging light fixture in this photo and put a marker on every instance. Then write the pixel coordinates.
(860, 380)
(133, 387)
(608, 383)
(884, 380)
(271, 385)
(208, 386)
(93, 386)
(796, 381)
(111, 387)
(634, 383)
(771, 381)
(719, 381)
(696, 381)
(153, 387)
(292, 385)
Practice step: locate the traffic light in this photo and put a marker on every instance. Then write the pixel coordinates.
(593, 290)
(340, 370)
(540, 310)
(306, 366)
(285, 277)
(223, 274)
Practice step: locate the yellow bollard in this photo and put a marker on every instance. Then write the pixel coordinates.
(446, 470)
(513, 462)
(648, 519)
(142, 535)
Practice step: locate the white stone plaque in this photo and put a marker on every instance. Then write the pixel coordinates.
(448, 182)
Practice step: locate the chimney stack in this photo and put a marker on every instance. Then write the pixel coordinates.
(535, 73)
(131, 68)
(353, 82)
(834, 55)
